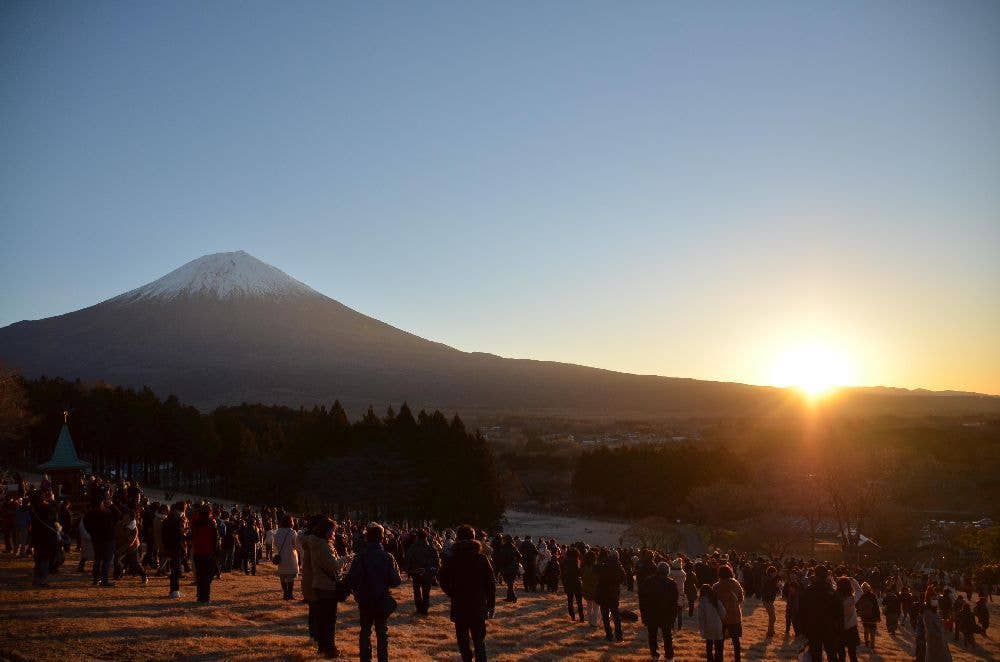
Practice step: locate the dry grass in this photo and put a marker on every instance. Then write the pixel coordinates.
(247, 620)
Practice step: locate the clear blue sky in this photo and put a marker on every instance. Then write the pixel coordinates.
(674, 188)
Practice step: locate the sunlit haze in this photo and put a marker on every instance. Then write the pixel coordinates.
(816, 369)
(772, 193)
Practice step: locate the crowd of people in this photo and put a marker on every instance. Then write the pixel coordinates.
(831, 610)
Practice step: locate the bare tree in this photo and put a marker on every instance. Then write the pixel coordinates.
(808, 500)
(770, 534)
(854, 486)
(657, 533)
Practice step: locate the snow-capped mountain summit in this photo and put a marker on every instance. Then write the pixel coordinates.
(221, 276)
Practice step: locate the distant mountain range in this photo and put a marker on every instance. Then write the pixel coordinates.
(228, 328)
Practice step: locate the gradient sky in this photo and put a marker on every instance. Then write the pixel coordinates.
(671, 188)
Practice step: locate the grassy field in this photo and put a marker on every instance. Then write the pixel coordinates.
(247, 620)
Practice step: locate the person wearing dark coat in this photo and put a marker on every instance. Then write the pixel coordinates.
(982, 612)
(573, 582)
(658, 607)
(173, 545)
(821, 615)
(767, 590)
(422, 563)
(373, 573)
(249, 537)
(610, 576)
(45, 538)
(467, 577)
(892, 607)
(646, 567)
(508, 558)
(100, 524)
(528, 555)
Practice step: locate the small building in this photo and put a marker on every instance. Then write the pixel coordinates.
(65, 468)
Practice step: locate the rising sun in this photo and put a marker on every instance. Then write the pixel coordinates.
(815, 369)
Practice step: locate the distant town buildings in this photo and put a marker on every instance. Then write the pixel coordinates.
(595, 439)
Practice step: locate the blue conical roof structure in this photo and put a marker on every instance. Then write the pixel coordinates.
(64, 456)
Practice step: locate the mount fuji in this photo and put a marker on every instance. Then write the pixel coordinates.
(228, 328)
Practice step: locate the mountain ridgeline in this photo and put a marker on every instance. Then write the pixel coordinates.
(227, 328)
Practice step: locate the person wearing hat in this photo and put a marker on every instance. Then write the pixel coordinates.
(658, 596)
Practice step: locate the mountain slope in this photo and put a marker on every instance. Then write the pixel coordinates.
(228, 328)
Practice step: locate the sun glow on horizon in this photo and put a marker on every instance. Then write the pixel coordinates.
(815, 369)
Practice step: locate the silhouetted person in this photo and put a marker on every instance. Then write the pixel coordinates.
(658, 608)
(467, 577)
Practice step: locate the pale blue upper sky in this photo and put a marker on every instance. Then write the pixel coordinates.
(675, 188)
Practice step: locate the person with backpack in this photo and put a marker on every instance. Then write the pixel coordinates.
(869, 613)
(467, 578)
(658, 606)
(249, 538)
(373, 573)
(286, 555)
(711, 613)
(422, 563)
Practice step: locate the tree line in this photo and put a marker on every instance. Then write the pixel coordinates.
(647, 480)
(396, 466)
